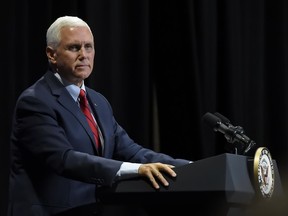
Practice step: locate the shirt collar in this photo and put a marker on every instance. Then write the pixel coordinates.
(73, 89)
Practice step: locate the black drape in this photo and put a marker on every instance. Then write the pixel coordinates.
(163, 65)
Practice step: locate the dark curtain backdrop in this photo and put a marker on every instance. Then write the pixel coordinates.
(163, 65)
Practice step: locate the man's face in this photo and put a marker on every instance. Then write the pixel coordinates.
(74, 57)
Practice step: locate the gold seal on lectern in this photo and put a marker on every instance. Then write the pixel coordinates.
(264, 172)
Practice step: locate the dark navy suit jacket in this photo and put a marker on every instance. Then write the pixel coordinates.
(55, 166)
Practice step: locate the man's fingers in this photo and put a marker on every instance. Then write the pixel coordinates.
(154, 172)
(161, 178)
(168, 169)
(153, 181)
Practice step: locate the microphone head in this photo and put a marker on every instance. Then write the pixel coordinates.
(211, 120)
(222, 118)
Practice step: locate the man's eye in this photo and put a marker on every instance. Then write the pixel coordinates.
(74, 48)
(88, 46)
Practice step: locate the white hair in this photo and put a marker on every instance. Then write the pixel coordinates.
(53, 32)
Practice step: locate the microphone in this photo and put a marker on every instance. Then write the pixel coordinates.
(239, 130)
(232, 134)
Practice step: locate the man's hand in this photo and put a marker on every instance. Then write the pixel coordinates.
(153, 171)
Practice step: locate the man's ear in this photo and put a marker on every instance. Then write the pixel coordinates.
(51, 53)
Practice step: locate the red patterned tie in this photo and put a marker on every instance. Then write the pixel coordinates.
(85, 109)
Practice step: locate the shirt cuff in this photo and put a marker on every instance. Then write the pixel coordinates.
(128, 170)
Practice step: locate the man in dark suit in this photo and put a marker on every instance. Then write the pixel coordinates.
(55, 164)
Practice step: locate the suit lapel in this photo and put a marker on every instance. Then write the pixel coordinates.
(65, 99)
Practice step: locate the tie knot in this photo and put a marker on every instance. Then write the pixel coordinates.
(83, 99)
(82, 94)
